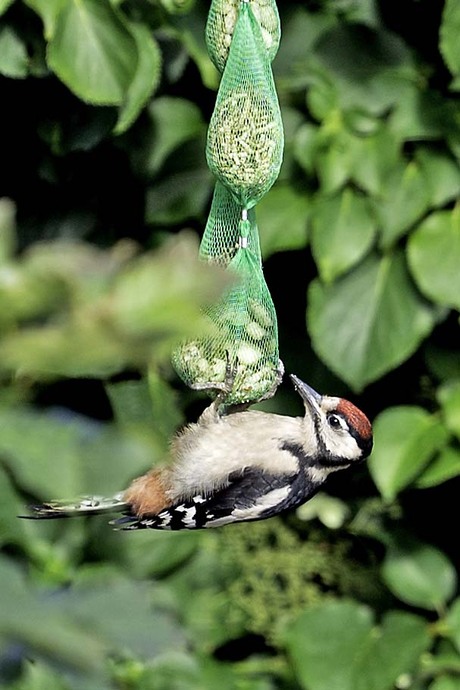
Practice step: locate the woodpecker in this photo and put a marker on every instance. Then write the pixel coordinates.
(242, 465)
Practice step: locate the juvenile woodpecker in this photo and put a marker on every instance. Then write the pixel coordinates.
(239, 466)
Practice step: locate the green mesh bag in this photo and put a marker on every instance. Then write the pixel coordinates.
(221, 237)
(244, 151)
(221, 23)
(245, 141)
(246, 333)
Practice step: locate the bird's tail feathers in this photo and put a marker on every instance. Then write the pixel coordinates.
(85, 505)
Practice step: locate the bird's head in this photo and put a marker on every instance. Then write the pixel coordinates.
(342, 434)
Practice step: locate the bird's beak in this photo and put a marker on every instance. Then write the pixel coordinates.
(307, 393)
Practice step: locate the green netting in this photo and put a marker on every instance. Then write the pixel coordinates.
(246, 334)
(221, 23)
(221, 237)
(245, 137)
(244, 150)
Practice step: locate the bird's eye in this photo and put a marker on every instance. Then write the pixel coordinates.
(335, 422)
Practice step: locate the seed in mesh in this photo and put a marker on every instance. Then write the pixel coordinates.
(218, 369)
(232, 317)
(254, 376)
(248, 355)
(260, 313)
(255, 330)
(221, 25)
(253, 384)
(190, 352)
(244, 143)
(259, 381)
(196, 367)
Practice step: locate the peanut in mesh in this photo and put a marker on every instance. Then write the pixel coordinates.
(222, 21)
(205, 362)
(254, 375)
(244, 143)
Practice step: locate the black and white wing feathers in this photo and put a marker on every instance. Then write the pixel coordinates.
(251, 494)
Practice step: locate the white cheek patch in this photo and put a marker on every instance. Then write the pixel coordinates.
(269, 500)
(342, 445)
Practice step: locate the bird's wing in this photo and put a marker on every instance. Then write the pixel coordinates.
(251, 494)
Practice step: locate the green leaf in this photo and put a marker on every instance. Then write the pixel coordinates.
(448, 44)
(186, 672)
(131, 402)
(419, 575)
(165, 405)
(442, 175)
(365, 658)
(305, 145)
(163, 294)
(403, 200)
(442, 361)
(373, 159)
(446, 660)
(93, 52)
(25, 293)
(369, 321)
(322, 94)
(11, 529)
(434, 257)
(71, 349)
(321, 654)
(110, 459)
(331, 511)
(394, 650)
(343, 232)
(55, 636)
(120, 613)
(453, 623)
(7, 230)
(445, 683)
(4, 4)
(151, 553)
(26, 440)
(37, 675)
(449, 398)
(61, 457)
(49, 11)
(177, 6)
(335, 157)
(301, 31)
(145, 80)
(369, 68)
(282, 220)
(405, 439)
(421, 114)
(191, 36)
(124, 309)
(14, 61)
(179, 197)
(175, 121)
(83, 624)
(445, 466)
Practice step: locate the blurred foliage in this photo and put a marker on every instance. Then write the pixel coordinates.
(308, 569)
(104, 194)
